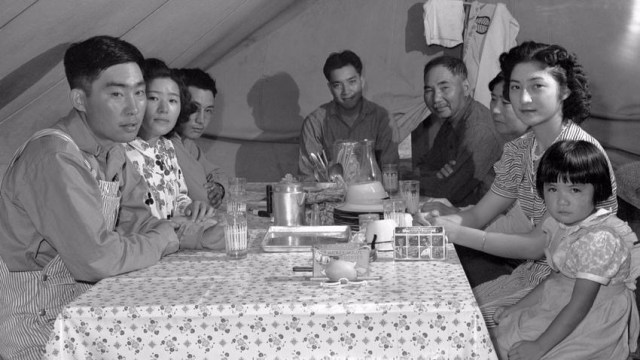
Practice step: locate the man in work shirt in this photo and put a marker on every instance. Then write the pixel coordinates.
(72, 208)
(349, 116)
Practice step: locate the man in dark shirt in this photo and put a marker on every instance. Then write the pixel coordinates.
(467, 137)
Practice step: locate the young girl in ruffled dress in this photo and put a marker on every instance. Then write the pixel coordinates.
(586, 308)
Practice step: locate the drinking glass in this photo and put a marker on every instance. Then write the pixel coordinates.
(237, 184)
(236, 194)
(236, 235)
(236, 201)
(394, 209)
(390, 178)
(410, 191)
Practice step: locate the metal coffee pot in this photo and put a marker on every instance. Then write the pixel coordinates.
(289, 202)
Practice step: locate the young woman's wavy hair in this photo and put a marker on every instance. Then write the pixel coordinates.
(576, 162)
(564, 68)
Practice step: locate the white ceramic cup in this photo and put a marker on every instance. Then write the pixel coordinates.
(383, 231)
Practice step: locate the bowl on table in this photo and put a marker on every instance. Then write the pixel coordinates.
(364, 197)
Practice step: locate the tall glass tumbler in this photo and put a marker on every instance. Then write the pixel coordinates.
(237, 184)
(236, 235)
(236, 194)
(390, 178)
(410, 191)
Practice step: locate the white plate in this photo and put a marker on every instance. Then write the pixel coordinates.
(360, 207)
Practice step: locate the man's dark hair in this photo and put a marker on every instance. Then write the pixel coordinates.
(453, 64)
(84, 61)
(338, 60)
(198, 78)
(576, 162)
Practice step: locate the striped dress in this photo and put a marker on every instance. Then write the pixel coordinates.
(515, 179)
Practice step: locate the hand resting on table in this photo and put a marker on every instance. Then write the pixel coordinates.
(438, 207)
(205, 234)
(199, 211)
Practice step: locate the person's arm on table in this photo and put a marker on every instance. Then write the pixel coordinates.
(515, 246)
(490, 206)
(76, 229)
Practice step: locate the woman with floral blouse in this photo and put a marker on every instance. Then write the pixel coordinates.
(155, 157)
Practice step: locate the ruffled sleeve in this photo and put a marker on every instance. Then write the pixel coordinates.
(599, 256)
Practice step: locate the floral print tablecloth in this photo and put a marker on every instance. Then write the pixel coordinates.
(198, 305)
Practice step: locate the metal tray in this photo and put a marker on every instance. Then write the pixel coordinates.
(302, 238)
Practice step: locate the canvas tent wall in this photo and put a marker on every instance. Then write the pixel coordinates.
(267, 57)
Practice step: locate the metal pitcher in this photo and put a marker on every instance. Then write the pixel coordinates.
(289, 203)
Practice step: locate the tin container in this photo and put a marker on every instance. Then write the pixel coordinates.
(288, 204)
(303, 238)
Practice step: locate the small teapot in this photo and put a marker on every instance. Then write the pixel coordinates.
(341, 269)
(289, 202)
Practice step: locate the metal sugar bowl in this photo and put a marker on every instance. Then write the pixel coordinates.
(289, 202)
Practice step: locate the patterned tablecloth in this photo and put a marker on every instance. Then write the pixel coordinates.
(198, 305)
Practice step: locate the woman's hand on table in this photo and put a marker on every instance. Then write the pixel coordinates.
(452, 228)
(199, 211)
(434, 219)
(437, 208)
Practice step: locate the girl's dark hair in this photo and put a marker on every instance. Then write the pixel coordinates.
(152, 69)
(576, 162)
(564, 68)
